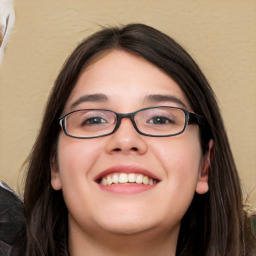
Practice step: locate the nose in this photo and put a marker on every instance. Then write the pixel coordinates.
(126, 140)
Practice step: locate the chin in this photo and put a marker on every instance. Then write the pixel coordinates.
(127, 228)
(131, 224)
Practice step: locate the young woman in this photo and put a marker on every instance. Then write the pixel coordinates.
(132, 157)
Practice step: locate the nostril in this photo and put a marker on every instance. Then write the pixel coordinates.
(132, 149)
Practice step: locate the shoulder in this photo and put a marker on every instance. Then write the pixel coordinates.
(12, 220)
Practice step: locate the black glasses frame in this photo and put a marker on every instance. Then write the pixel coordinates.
(190, 118)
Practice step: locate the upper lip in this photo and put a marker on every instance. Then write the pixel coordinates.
(126, 169)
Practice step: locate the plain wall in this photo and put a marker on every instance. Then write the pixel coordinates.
(219, 34)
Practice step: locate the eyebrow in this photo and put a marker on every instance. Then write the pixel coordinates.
(152, 98)
(98, 97)
(155, 98)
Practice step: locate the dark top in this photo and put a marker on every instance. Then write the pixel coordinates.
(12, 222)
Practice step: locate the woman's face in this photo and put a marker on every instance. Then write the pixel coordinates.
(123, 82)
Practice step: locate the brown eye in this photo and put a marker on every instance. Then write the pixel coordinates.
(160, 120)
(94, 121)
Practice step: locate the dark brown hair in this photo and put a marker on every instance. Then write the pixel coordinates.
(215, 223)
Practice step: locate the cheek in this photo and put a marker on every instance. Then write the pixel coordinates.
(181, 159)
(179, 154)
(76, 157)
(75, 162)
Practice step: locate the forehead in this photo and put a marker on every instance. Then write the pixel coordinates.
(125, 78)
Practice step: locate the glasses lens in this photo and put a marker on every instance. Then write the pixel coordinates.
(90, 123)
(161, 121)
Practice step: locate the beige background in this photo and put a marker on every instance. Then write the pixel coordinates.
(219, 34)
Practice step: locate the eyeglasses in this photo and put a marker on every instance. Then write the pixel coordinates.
(160, 121)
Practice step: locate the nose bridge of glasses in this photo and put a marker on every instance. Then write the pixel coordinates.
(121, 116)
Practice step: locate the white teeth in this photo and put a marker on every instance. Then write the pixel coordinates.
(123, 178)
(139, 179)
(104, 182)
(109, 180)
(145, 180)
(132, 177)
(115, 178)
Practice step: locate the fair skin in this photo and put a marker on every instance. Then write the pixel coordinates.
(127, 220)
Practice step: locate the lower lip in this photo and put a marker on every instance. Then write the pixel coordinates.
(127, 188)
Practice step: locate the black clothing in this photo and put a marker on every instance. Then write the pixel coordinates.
(12, 222)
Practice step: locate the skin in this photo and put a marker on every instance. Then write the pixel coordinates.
(147, 223)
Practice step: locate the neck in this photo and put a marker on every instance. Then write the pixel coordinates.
(153, 242)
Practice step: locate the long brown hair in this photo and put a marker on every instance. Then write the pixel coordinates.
(215, 223)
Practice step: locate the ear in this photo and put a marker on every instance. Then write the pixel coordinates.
(202, 183)
(55, 174)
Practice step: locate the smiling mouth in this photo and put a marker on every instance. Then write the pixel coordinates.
(126, 179)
